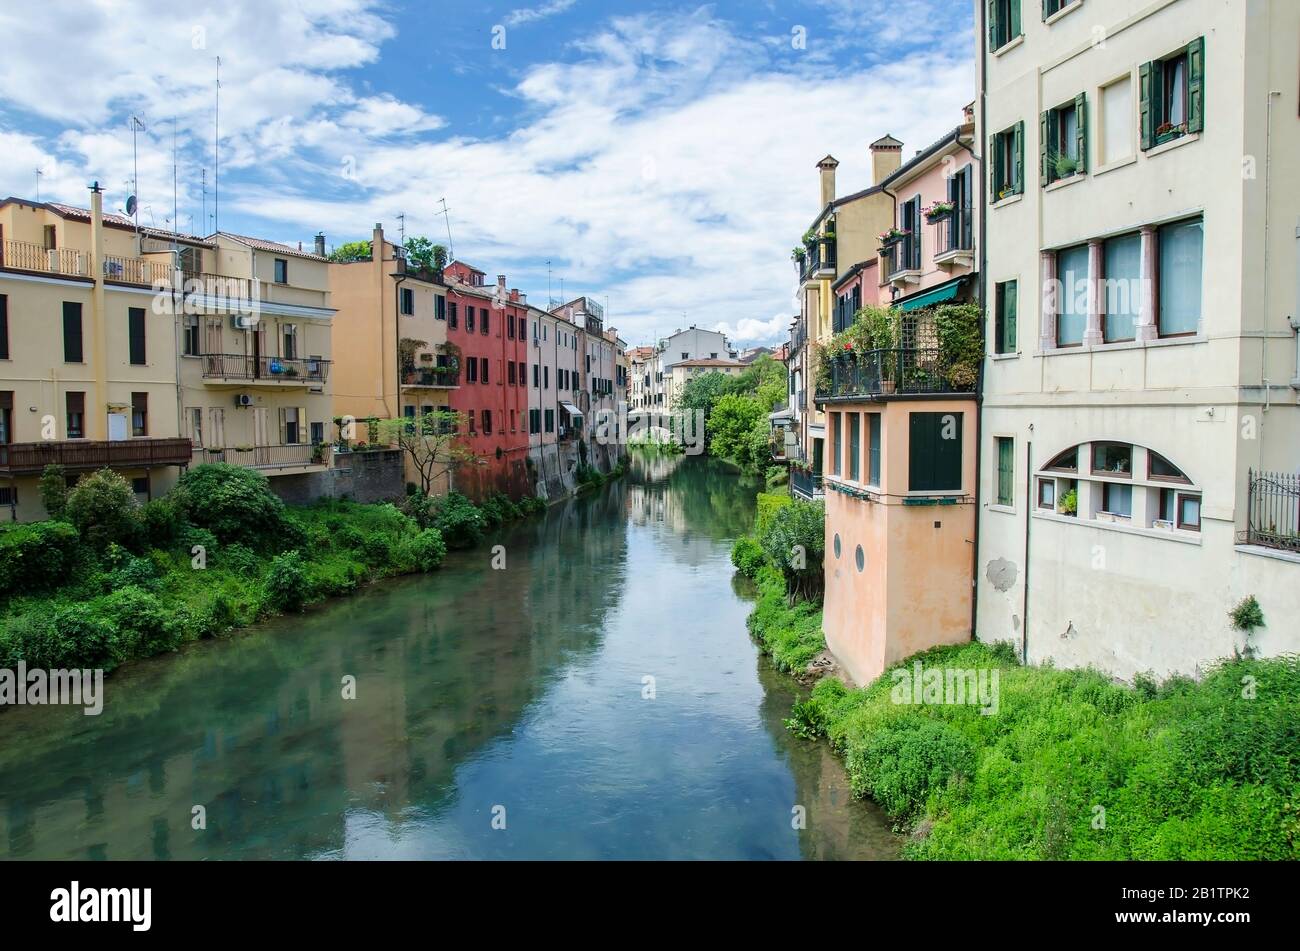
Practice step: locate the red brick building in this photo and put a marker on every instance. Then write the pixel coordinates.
(488, 324)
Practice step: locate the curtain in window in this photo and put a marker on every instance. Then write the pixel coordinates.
(1122, 289)
(1178, 92)
(1072, 308)
(1180, 277)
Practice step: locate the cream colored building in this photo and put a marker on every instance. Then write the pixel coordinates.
(1142, 240)
(148, 351)
(686, 370)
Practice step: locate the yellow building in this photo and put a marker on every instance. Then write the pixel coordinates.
(687, 370)
(119, 347)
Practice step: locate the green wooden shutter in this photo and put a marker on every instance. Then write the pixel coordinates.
(1014, 29)
(1145, 105)
(993, 24)
(1081, 129)
(1196, 85)
(1018, 157)
(995, 168)
(1046, 11)
(1043, 127)
(934, 463)
(1010, 304)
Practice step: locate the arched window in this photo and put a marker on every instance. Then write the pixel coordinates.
(1109, 482)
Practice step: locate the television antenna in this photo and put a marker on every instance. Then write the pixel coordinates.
(446, 214)
(133, 202)
(39, 172)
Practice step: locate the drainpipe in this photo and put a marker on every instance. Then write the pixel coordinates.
(982, 283)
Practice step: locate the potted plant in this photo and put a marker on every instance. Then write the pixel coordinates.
(318, 453)
(291, 371)
(891, 237)
(1069, 503)
(1170, 130)
(1065, 166)
(937, 211)
(798, 253)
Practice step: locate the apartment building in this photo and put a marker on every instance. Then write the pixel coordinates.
(88, 363)
(555, 421)
(1140, 436)
(488, 328)
(641, 365)
(684, 371)
(693, 343)
(597, 378)
(844, 233)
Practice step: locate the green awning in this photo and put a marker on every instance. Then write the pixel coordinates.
(935, 295)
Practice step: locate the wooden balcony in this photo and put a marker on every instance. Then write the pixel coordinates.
(24, 458)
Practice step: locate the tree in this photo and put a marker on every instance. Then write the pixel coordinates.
(701, 392)
(423, 255)
(734, 420)
(236, 504)
(351, 251)
(429, 442)
(794, 540)
(54, 491)
(407, 348)
(103, 509)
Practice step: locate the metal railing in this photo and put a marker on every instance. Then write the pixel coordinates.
(955, 231)
(818, 256)
(140, 452)
(267, 457)
(798, 338)
(804, 483)
(219, 285)
(1273, 510)
(431, 376)
(901, 370)
(238, 366)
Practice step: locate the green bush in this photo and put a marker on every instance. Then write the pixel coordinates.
(350, 538)
(377, 550)
(192, 537)
(54, 491)
(900, 764)
(790, 633)
(427, 550)
(134, 572)
(532, 505)
(461, 523)
(795, 540)
(37, 557)
(286, 583)
(141, 624)
(103, 509)
(240, 560)
(768, 504)
(747, 556)
(236, 504)
(161, 522)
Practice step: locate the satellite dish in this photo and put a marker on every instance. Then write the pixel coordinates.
(130, 204)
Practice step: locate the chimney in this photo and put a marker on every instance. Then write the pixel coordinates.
(827, 167)
(320, 244)
(886, 158)
(514, 293)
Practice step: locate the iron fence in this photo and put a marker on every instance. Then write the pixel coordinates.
(1273, 510)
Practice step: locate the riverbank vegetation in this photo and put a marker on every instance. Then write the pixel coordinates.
(735, 410)
(111, 580)
(1071, 765)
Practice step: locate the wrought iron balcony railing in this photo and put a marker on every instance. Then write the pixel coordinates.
(900, 370)
(238, 366)
(1273, 510)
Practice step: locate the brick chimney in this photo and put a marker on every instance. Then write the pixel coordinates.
(827, 167)
(320, 244)
(886, 158)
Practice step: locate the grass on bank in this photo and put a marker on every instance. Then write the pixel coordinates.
(111, 580)
(1071, 766)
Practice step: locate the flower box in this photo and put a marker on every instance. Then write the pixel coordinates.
(938, 211)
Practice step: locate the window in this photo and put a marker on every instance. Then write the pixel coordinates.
(289, 334)
(546, 378)
(293, 424)
(195, 415)
(1063, 141)
(855, 446)
(510, 327)
(1172, 94)
(534, 421)
(873, 449)
(550, 420)
(1121, 263)
(523, 373)
(318, 433)
(1067, 461)
(510, 372)
(1161, 469)
(281, 271)
(487, 422)
(140, 485)
(483, 320)
(190, 335)
(451, 314)
(934, 452)
(72, 351)
(959, 229)
(1072, 292)
(1007, 170)
(1005, 304)
(484, 369)
(909, 221)
(1047, 494)
(6, 417)
(1051, 7)
(4, 327)
(537, 376)
(471, 370)
(439, 307)
(1178, 288)
(1117, 121)
(1189, 512)
(76, 415)
(470, 416)
(139, 414)
(1117, 499)
(1006, 456)
(835, 443)
(1112, 458)
(51, 241)
(1004, 22)
(469, 318)
(685, 356)
(408, 302)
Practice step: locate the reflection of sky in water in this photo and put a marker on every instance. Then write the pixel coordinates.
(520, 688)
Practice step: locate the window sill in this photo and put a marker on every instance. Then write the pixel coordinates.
(1063, 12)
(1263, 551)
(1172, 144)
(1182, 537)
(1117, 164)
(1005, 356)
(1124, 345)
(1004, 509)
(1009, 45)
(1065, 182)
(1009, 200)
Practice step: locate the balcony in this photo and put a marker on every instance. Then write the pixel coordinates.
(901, 264)
(806, 485)
(903, 371)
(298, 456)
(1273, 510)
(140, 271)
(955, 238)
(818, 260)
(798, 339)
(21, 458)
(281, 372)
(64, 262)
(431, 378)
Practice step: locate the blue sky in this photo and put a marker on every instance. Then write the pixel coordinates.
(658, 154)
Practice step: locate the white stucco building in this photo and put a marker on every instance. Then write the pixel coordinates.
(1143, 237)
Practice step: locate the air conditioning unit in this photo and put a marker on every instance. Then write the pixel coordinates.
(243, 399)
(243, 321)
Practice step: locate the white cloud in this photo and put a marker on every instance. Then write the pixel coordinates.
(530, 14)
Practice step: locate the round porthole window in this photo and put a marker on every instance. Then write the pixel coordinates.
(837, 544)
(860, 557)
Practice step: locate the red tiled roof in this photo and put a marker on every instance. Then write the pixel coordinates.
(261, 244)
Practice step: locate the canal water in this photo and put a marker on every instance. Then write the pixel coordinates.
(598, 698)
